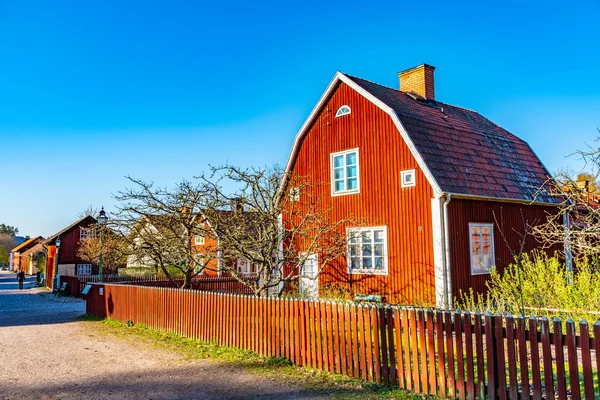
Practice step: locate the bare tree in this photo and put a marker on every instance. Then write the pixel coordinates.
(159, 225)
(577, 224)
(114, 249)
(89, 211)
(273, 223)
(7, 243)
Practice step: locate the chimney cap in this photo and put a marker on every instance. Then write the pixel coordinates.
(416, 67)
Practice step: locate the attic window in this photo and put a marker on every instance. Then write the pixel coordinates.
(408, 178)
(343, 110)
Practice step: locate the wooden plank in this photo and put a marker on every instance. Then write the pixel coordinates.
(451, 391)
(490, 347)
(336, 336)
(500, 358)
(375, 313)
(389, 318)
(535, 359)
(369, 343)
(362, 339)
(441, 362)
(431, 352)
(414, 343)
(302, 332)
(470, 370)
(330, 337)
(547, 358)
(383, 345)
(343, 335)
(319, 335)
(572, 360)
(511, 355)
(586, 361)
(523, 357)
(406, 344)
(354, 330)
(422, 350)
(597, 351)
(460, 358)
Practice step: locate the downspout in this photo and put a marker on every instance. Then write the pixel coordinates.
(568, 253)
(446, 241)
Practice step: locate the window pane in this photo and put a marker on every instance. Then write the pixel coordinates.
(487, 261)
(379, 250)
(367, 249)
(476, 263)
(476, 245)
(379, 262)
(351, 158)
(339, 186)
(367, 262)
(354, 263)
(338, 173)
(353, 250)
(475, 230)
(486, 234)
(338, 161)
(351, 171)
(487, 248)
(352, 184)
(378, 236)
(367, 237)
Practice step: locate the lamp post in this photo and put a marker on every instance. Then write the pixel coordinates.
(56, 281)
(101, 222)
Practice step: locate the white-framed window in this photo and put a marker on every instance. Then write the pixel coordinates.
(84, 269)
(367, 250)
(199, 235)
(295, 194)
(345, 172)
(87, 233)
(481, 240)
(408, 178)
(199, 264)
(343, 110)
(246, 267)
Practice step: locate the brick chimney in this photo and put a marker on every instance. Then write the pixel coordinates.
(418, 79)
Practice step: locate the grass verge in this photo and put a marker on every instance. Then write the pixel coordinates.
(335, 385)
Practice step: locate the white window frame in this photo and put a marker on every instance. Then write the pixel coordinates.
(350, 232)
(87, 233)
(404, 174)
(199, 236)
(332, 174)
(244, 267)
(295, 194)
(481, 270)
(342, 111)
(199, 259)
(87, 267)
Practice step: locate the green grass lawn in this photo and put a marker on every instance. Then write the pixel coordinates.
(338, 386)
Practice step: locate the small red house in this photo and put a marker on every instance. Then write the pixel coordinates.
(22, 257)
(65, 259)
(446, 192)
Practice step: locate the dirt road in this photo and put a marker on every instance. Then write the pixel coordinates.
(46, 354)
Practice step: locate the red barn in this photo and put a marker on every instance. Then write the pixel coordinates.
(446, 192)
(68, 263)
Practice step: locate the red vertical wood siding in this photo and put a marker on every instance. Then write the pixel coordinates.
(510, 217)
(381, 202)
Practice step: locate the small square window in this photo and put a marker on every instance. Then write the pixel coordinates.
(408, 178)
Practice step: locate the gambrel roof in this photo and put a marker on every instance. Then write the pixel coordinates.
(460, 151)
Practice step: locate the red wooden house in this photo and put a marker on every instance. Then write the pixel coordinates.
(67, 262)
(446, 192)
(22, 256)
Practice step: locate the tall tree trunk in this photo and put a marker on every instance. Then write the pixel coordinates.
(187, 280)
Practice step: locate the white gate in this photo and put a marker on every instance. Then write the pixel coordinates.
(309, 282)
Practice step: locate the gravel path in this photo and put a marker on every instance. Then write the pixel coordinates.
(45, 354)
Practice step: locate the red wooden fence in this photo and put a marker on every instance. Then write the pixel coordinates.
(449, 354)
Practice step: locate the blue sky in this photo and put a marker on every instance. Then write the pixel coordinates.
(93, 91)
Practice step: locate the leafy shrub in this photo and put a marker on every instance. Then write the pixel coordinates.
(540, 285)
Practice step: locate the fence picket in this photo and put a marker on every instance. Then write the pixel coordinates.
(511, 355)
(450, 354)
(470, 372)
(547, 359)
(430, 352)
(490, 345)
(586, 361)
(441, 362)
(406, 345)
(573, 362)
(523, 357)
(460, 362)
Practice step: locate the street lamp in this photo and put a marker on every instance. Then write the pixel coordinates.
(56, 277)
(101, 222)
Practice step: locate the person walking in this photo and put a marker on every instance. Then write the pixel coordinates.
(21, 279)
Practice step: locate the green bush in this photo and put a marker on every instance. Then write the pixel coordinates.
(540, 285)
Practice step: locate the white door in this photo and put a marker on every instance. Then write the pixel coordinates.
(309, 281)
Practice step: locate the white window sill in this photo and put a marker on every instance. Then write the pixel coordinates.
(367, 272)
(345, 193)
